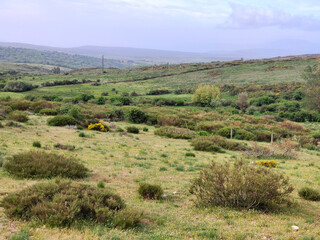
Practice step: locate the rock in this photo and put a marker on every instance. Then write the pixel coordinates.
(295, 228)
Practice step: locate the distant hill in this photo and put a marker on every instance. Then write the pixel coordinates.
(54, 58)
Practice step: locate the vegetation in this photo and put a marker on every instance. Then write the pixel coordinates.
(241, 186)
(205, 95)
(149, 191)
(40, 164)
(309, 194)
(133, 129)
(174, 132)
(62, 120)
(63, 204)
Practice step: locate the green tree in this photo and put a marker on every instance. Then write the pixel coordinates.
(242, 101)
(206, 94)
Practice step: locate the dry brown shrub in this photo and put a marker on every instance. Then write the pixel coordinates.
(292, 126)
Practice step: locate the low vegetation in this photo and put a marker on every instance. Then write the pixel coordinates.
(150, 191)
(241, 186)
(174, 132)
(40, 164)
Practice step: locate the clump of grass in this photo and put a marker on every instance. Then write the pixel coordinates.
(150, 191)
(162, 169)
(21, 235)
(36, 144)
(62, 203)
(133, 129)
(40, 164)
(101, 185)
(64, 146)
(309, 194)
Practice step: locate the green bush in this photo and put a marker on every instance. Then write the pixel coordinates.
(48, 111)
(21, 235)
(40, 164)
(82, 134)
(20, 105)
(127, 218)
(36, 144)
(18, 116)
(241, 186)
(145, 129)
(133, 129)
(190, 154)
(205, 95)
(62, 203)
(18, 87)
(309, 194)
(174, 132)
(62, 120)
(149, 191)
(237, 133)
(136, 115)
(215, 143)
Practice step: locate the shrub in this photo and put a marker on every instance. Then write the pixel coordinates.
(82, 134)
(62, 203)
(127, 218)
(267, 163)
(39, 164)
(309, 194)
(242, 101)
(36, 144)
(133, 129)
(205, 95)
(174, 132)
(145, 129)
(18, 87)
(101, 101)
(21, 235)
(237, 133)
(215, 143)
(98, 127)
(292, 126)
(136, 115)
(149, 191)
(190, 154)
(117, 114)
(64, 147)
(20, 105)
(62, 120)
(48, 111)
(18, 116)
(240, 186)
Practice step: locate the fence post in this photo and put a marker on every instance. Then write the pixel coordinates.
(231, 133)
(271, 137)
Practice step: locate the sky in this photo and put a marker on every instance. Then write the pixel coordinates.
(184, 25)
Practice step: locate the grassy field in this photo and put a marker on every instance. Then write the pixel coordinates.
(122, 161)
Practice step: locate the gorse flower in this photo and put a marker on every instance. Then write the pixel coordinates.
(98, 127)
(267, 163)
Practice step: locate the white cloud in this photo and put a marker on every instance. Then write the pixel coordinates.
(249, 17)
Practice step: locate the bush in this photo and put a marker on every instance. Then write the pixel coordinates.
(36, 144)
(135, 115)
(145, 129)
(267, 163)
(133, 129)
(215, 143)
(174, 132)
(127, 218)
(309, 194)
(237, 133)
(82, 134)
(18, 87)
(117, 114)
(21, 235)
(190, 154)
(48, 111)
(205, 95)
(99, 127)
(20, 105)
(240, 186)
(18, 116)
(149, 191)
(40, 164)
(62, 203)
(62, 120)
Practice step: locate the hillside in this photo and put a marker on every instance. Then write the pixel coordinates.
(23, 55)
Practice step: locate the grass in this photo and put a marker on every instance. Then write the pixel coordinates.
(121, 162)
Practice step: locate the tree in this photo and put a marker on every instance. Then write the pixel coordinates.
(206, 94)
(312, 77)
(242, 101)
(56, 70)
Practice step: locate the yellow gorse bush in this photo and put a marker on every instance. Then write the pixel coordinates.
(98, 127)
(267, 163)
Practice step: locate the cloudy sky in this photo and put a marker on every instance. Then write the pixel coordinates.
(187, 25)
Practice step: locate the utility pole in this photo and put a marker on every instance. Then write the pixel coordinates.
(102, 64)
